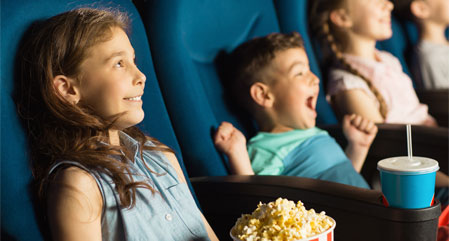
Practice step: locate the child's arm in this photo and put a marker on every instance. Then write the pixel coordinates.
(441, 179)
(360, 133)
(358, 102)
(232, 142)
(74, 206)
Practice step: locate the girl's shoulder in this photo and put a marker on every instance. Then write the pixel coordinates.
(345, 78)
(76, 177)
(74, 186)
(69, 173)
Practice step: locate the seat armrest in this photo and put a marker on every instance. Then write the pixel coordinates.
(390, 141)
(359, 213)
(437, 101)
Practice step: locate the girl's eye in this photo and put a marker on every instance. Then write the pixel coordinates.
(299, 74)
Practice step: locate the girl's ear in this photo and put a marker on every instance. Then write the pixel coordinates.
(261, 94)
(340, 18)
(420, 9)
(66, 88)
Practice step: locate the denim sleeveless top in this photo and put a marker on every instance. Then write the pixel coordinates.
(168, 214)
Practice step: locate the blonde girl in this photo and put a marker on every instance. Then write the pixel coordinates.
(99, 176)
(364, 80)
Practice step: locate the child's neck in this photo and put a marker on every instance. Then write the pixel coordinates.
(268, 125)
(361, 47)
(114, 138)
(433, 32)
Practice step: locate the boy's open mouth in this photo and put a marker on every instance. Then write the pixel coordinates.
(310, 103)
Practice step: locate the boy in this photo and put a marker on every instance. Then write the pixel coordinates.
(430, 55)
(271, 77)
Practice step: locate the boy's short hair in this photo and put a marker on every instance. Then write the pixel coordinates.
(248, 60)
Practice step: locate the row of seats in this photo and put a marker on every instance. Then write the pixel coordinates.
(177, 42)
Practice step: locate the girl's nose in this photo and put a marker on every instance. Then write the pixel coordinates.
(140, 77)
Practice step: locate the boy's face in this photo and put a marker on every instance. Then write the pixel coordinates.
(438, 11)
(295, 89)
(111, 82)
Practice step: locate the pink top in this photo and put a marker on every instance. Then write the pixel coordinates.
(388, 77)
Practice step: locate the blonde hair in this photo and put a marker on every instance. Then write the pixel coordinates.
(324, 29)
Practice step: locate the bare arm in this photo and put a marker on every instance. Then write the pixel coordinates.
(74, 206)
(232, 142)
(441, 179)
(174, 162)
(360, 133)
(357, 102)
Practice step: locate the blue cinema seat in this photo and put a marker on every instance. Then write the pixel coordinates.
(186, 36)
(18, 218)
(186, 42)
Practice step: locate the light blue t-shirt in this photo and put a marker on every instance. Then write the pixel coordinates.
(169, 214)
(308, 153)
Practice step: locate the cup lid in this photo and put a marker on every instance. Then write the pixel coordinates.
(403, 164)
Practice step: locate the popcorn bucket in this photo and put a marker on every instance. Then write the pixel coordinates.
(328, 235)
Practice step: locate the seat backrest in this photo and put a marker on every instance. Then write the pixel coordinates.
(185, 38)
(18, 219)
(293, 16)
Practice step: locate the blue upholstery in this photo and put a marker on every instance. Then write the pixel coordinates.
(185, 38)
(293, 16)
(18, 220)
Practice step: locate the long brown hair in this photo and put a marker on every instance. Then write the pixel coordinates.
(58, 130)
(329, 34)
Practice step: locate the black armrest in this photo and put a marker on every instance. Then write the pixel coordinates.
(390, 141)
(359, 213)
(437, 101)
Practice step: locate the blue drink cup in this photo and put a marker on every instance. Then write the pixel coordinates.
(408, 183)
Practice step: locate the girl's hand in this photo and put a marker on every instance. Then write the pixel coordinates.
(229, 140)
(359, 131)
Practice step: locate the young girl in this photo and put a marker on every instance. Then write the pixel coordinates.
(100, 177)
(364, 80)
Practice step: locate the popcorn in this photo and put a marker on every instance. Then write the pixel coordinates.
(281, 220)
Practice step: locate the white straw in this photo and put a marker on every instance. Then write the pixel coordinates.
(409, 141)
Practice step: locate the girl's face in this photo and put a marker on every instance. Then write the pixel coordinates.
(111, 83)
(370, 19)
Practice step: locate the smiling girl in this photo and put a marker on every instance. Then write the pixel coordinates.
(100, 177)
(364, 80)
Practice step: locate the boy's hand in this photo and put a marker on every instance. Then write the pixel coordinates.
(229, 140)
(359, 131)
